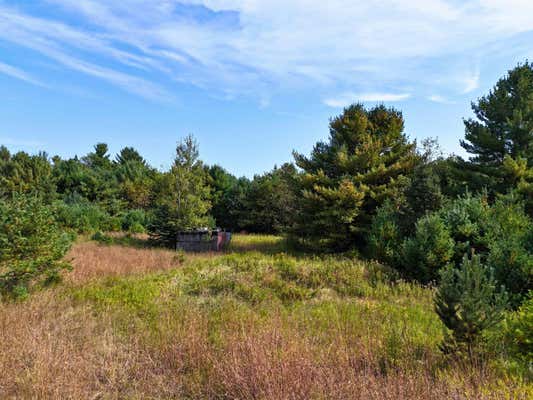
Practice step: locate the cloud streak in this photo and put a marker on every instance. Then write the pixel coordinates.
(437, 98)
(19, 74)
(249, 47)
(346, 99)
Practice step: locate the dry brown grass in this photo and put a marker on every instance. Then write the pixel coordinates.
(276, 361)
(92, 260)
(56, 347)
(54, 350)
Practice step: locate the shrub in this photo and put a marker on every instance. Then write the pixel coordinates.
(81, 216)
(423, 195)
(468, 302)
(510, 243)
(385, 237)
(134, 221)
(519, 332)
(112, 224)
(31, 245)
(513, 267)
(429, 250)
(501, 234)
(466, 218)
(101, 238)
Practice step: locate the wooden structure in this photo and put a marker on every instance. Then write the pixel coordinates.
(203, 240)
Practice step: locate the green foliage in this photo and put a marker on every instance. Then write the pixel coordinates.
(73, 178)
(429, 250)
(510, 244)
(501, 234)
(101, 238)
(366, 161)
(468, 302)
(182, 201)
(518, 332)
(24, 173)
(82, 216)
(265, 204)
(134, 221)
(422, 195)
(226, 198)
(270, 201)
(134, 178)
(31, 245)
(397, 218)
(385, 237)
(500, 138)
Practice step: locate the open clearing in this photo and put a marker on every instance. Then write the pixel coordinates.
(252, 323)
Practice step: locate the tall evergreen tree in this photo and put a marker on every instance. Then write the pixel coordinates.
(182, 196)
(344, 181)
(500, 138)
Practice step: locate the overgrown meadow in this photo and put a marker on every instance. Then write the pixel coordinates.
(376, 268)
(256, 322)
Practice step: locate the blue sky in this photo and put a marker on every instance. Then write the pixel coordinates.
(251, 79)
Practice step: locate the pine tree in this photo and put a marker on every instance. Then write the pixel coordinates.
(344, 181)
(468, 302)
(32, 245)
(182, 196)
(500, 138)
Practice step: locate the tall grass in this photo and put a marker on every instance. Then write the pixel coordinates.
(248, 324)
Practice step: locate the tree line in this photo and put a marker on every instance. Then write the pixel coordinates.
(465, 224)
(98, 192)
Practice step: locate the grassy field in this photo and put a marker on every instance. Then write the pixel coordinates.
(252, 323)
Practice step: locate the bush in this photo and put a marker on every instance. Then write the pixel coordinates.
(510, 244)
(468, 302)
(82, 216)
(112, 224)
(466, 218)
(385, 237)
(31, 246)
(429, 250)
(134, 221)
(422, 196)
(101, 238)
(501, 234)
(519, 332)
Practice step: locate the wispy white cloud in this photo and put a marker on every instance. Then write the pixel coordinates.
(127, 82)
(437, 98)
(471, 82)
(17, 73)
(250, 47)
(50, 38)
(346, 99)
